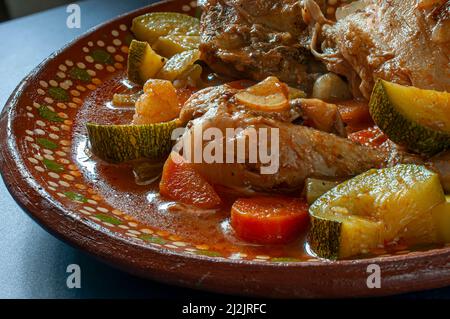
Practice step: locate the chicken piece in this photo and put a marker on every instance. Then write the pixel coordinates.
(405, 41)
(255, 39)
(310, 112)
(441, 164)
(303, 151)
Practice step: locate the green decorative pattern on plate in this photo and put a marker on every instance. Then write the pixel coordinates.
(46, 143)
(153, 239)
(79, 74)
(101, 56)
(76, 197)
(59, 94)
(53, 166)
(109, 219)
(46, 113)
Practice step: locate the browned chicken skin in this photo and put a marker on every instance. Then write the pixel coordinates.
(303, 151)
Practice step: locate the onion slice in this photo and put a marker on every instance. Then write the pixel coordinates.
(270, 95)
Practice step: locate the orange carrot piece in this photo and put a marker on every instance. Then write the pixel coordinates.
(269, 220)
(181, 182)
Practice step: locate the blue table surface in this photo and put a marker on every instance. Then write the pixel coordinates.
(32, 262)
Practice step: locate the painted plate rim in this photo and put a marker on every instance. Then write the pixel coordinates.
(138, 259)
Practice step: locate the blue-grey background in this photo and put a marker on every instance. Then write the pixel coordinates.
(32, 262)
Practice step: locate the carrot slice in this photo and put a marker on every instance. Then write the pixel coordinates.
(181, 182)
(269, 220)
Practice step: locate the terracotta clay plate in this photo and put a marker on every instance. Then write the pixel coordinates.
(48, 169)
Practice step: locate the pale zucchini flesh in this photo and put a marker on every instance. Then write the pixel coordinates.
(441, 216)
(435, 228)
(314, 188)
(120, 99)
(146, 172)
(143, 62)
(178, 64)
(151, 26)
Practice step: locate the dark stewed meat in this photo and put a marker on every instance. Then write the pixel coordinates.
(256, 39)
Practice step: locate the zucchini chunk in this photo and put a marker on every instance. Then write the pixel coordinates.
(170, 45)
(143, 62)
(192, 76)
(178, 64)
(415, 118)
(431, 230)
(441, 215)
(124, 143)
(151, 26)
(374, 208)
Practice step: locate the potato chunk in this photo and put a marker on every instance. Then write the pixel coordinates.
(159, 103)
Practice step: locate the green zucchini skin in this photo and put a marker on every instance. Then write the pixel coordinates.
(324, 237)
(403, 131)
(123, 143)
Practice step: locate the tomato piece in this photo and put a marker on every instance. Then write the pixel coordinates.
(372, 137)
(269, 220)
(181, 182)
(355, 114)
